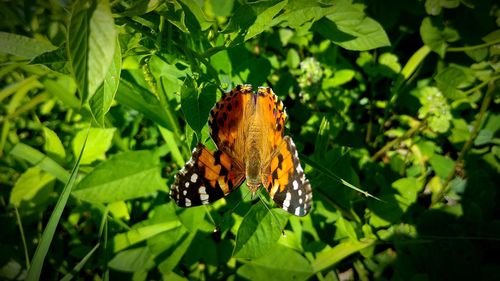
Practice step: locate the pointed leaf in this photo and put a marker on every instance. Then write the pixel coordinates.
(258, 232)
(280, 263)
(124, 176)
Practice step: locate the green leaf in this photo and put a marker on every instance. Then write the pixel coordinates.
(252, 71)
(340, 77)
(351, 29)
(133, 260)
(53, 145)
(434, 7)
(23, 46)
(263, 20)
(292, 59)
(453, 77)
(258, 232)
(484, 137)
(408, 188)
(99, 141)
(124, 176)
(32, 189)
(172, 260)
(104, 96)
(330, 257)
(436, 36)
(48, 233)
(91, 44)
(143, 101)
(139, 234)
(62, 87)
(35, 157)
(196, 104)
(196, 10)
(280, 263)
(442, 165)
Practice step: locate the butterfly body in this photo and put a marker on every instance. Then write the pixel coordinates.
(248, 129)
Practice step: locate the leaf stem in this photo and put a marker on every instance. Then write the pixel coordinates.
(471, 48)
(468, 144)
(408, 134)
(23, 238)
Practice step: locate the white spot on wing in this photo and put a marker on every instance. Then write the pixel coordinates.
(184, 192)
(187, 202)
(295, 185)
(297, 211)
(202, 190)
(204, 197)
(194, 177)
(286, 202)
(300, 201)
(186, 184)
(300, 192)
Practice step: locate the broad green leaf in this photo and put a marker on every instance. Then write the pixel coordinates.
(252, 71)
(339, 78)
(91, 38)
(442, 165)
(196, 104)
(264, 20)
(346, 229)
(99, 141)
(174, 72)
(35, 157)
(280, 263)
(32, 189)
(53, 145)
(450, 79)
(436, 36)
(258, 232)
(302, 14)
(408, 188)
(105, 94)
(351, 29)
(330, 257)
(136, 235)
(133, 260)
(124, 176)
(23, 46)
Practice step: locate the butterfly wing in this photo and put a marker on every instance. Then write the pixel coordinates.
(273, 115)
(206, 177)
(287, 184)
(226, 117)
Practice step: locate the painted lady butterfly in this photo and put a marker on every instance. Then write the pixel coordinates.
(248, 130)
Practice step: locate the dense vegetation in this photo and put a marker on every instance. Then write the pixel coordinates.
(393, 105)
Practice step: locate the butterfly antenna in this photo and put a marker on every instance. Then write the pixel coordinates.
(218, 226)
(272, 214)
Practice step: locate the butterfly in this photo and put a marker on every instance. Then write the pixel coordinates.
(248, 130)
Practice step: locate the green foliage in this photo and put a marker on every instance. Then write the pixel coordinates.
(393, 108)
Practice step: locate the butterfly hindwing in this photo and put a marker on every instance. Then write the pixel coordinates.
(205, 178)
(287, 184)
